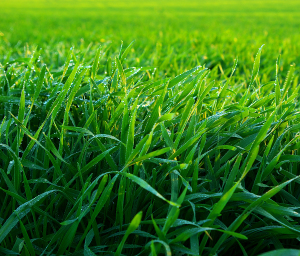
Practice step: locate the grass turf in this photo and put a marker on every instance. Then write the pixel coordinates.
(183, 142)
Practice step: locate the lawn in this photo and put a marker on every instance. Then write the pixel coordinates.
(149, 128)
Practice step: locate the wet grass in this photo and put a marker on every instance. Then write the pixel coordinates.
(183, 142)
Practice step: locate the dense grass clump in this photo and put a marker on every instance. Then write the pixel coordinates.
(117, 162)
(183, 142)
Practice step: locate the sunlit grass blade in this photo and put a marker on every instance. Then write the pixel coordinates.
(146, 186)
(132, 226)
(19, 213)
(248, 210)
(256, 66)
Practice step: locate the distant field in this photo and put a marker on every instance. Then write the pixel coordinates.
(186, 32)
(149, 128)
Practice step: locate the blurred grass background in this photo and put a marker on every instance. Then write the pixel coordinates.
(188, 32)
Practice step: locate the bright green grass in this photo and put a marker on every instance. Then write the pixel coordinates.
(170, 35)
(184, 142)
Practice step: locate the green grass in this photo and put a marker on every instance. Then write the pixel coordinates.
(183, 142)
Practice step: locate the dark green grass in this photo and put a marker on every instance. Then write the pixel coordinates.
(184, 142)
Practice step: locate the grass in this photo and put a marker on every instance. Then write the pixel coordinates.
(183, 142)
